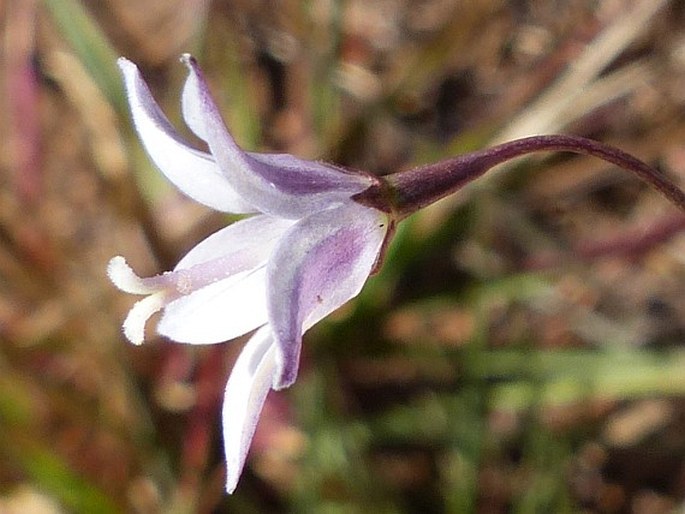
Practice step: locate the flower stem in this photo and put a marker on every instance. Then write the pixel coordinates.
(410, 191)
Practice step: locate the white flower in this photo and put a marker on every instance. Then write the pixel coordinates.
(307, 248)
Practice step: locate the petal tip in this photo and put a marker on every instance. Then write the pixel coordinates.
(231, 484)
(188, 60)
(125, 65)
(282, 382)
(286, 368)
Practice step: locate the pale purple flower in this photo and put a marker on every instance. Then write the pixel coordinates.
(314, 234)
(306, 248)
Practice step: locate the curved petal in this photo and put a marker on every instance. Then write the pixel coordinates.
(246, 391)
(193, 172)
(318, 265)
(254, 237)
(300, 177)
(277, 184)
(218, 312)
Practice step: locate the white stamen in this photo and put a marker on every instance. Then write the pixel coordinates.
(121, 274)
(134, 325)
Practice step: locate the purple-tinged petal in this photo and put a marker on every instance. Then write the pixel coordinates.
(280, 185)
(249, 241)
(217, 312)
(224, 279)
(246, 391)
(318, 265)
(192, 171)
(217, 291)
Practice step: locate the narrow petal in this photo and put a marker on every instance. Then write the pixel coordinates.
(318, 265)
(218, 312)
(281, 185)
(193, 172)
(217, 291)
(255, 237)
(246, 391)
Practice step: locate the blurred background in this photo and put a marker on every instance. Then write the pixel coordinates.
(520, 351)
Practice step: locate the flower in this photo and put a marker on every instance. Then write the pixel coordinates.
(306, 248)
(313, 234)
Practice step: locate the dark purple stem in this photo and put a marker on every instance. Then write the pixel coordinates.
(409, 191)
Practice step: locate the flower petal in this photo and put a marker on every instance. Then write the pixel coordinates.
(193, 172)
(246, 391)
(277, 184)
(255, 237)
(318, 265)
(218, 312)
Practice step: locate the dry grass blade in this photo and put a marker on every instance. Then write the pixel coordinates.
(550, 111)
